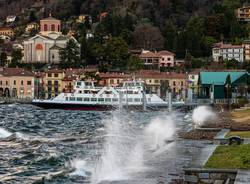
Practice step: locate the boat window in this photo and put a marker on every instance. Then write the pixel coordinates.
(67, 98)
(130, 99)
(115, 99)
(124, 100)
(137, 100)
(93, 99)
(100, 99)
(86, 99)
(78, 84)
(72, 98)
(107, 99)
(79, 99)
(80, 91)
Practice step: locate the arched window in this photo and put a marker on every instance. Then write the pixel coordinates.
(52, 27)
(39, 47)
(45, 27)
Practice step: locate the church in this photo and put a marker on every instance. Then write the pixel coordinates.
(45, 46)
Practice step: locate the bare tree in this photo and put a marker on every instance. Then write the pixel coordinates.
(148, 37)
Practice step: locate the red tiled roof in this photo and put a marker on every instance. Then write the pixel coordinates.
(114, 75)
(227, 46)
(157, 74)
(55, 71)
(149, 55)
(165, 52)
(16, 72)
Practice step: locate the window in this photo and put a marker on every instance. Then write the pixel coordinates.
(67, 98)
(58, 28)
(156, 81)
(49, 75)
(169, 59)
(49, 83)
(56, 83)
(78, 83)
(174, 83)
(115, 99)
(111, 81)
(22, 82)
(79, 99)
(45, 27)
(52, 27)
(182, 83)
(72, 98)
(1, 83)
(29, 83)
(130, 99)
(93, 99)
(56, 75)
(6, 82)
(137, 100)
(107, 99)
(86, 99)
(14, 82)
(100, 99)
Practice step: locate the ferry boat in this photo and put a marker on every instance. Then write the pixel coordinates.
(87, 96)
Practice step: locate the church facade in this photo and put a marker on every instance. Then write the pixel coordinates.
(45, 46)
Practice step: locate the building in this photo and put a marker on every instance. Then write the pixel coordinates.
(154, 60)
(83, 18)
(243, 14)
(223, 51)
(160, 82)
(6, 31)
(214, 85)
(31, 26)
(151, 60)
(113, 79)
(16, 83)
(167, 58)
(246, 45)
(45, 46)
(10, 19)
(193, 87)
(53, 82)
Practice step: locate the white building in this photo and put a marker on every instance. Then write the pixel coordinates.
(10, 19)
(223, 51)
(45, 46)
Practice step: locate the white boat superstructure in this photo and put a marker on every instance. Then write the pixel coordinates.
(87, 96)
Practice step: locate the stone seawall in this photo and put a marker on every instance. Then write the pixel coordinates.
(210, 176)
(15, 100)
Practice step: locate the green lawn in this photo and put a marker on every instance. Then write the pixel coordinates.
(242, 134)
(230, 157)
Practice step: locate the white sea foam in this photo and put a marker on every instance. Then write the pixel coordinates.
(4, 133)
(203, 115)
(79, 167)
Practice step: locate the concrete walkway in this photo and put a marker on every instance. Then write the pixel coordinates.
(243, 177)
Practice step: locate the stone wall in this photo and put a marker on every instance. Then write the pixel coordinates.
(210, 176)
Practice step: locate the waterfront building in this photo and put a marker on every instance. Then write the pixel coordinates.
(16, 83)
(160, 82)
(243, 14)
(223, 51)
(6, 31)
(10, 19)
(113, 79)
(246, 45)
(214, 85)
(53, 82)
(167, 58)
(193, 87)
(45, 46)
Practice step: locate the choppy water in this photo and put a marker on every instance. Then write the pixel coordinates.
(56, 146)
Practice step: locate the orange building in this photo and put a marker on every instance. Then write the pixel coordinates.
(16, 83)
(6, 31)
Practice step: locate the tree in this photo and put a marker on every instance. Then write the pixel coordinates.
(147, 37)
(3, 59)
(70, 55)
(17, 56)
(134, 63)
(116, 52)
(32, 16)
(169, 34)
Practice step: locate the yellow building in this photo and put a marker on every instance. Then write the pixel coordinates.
(159, 82)
(53, 83)
(6, 31)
